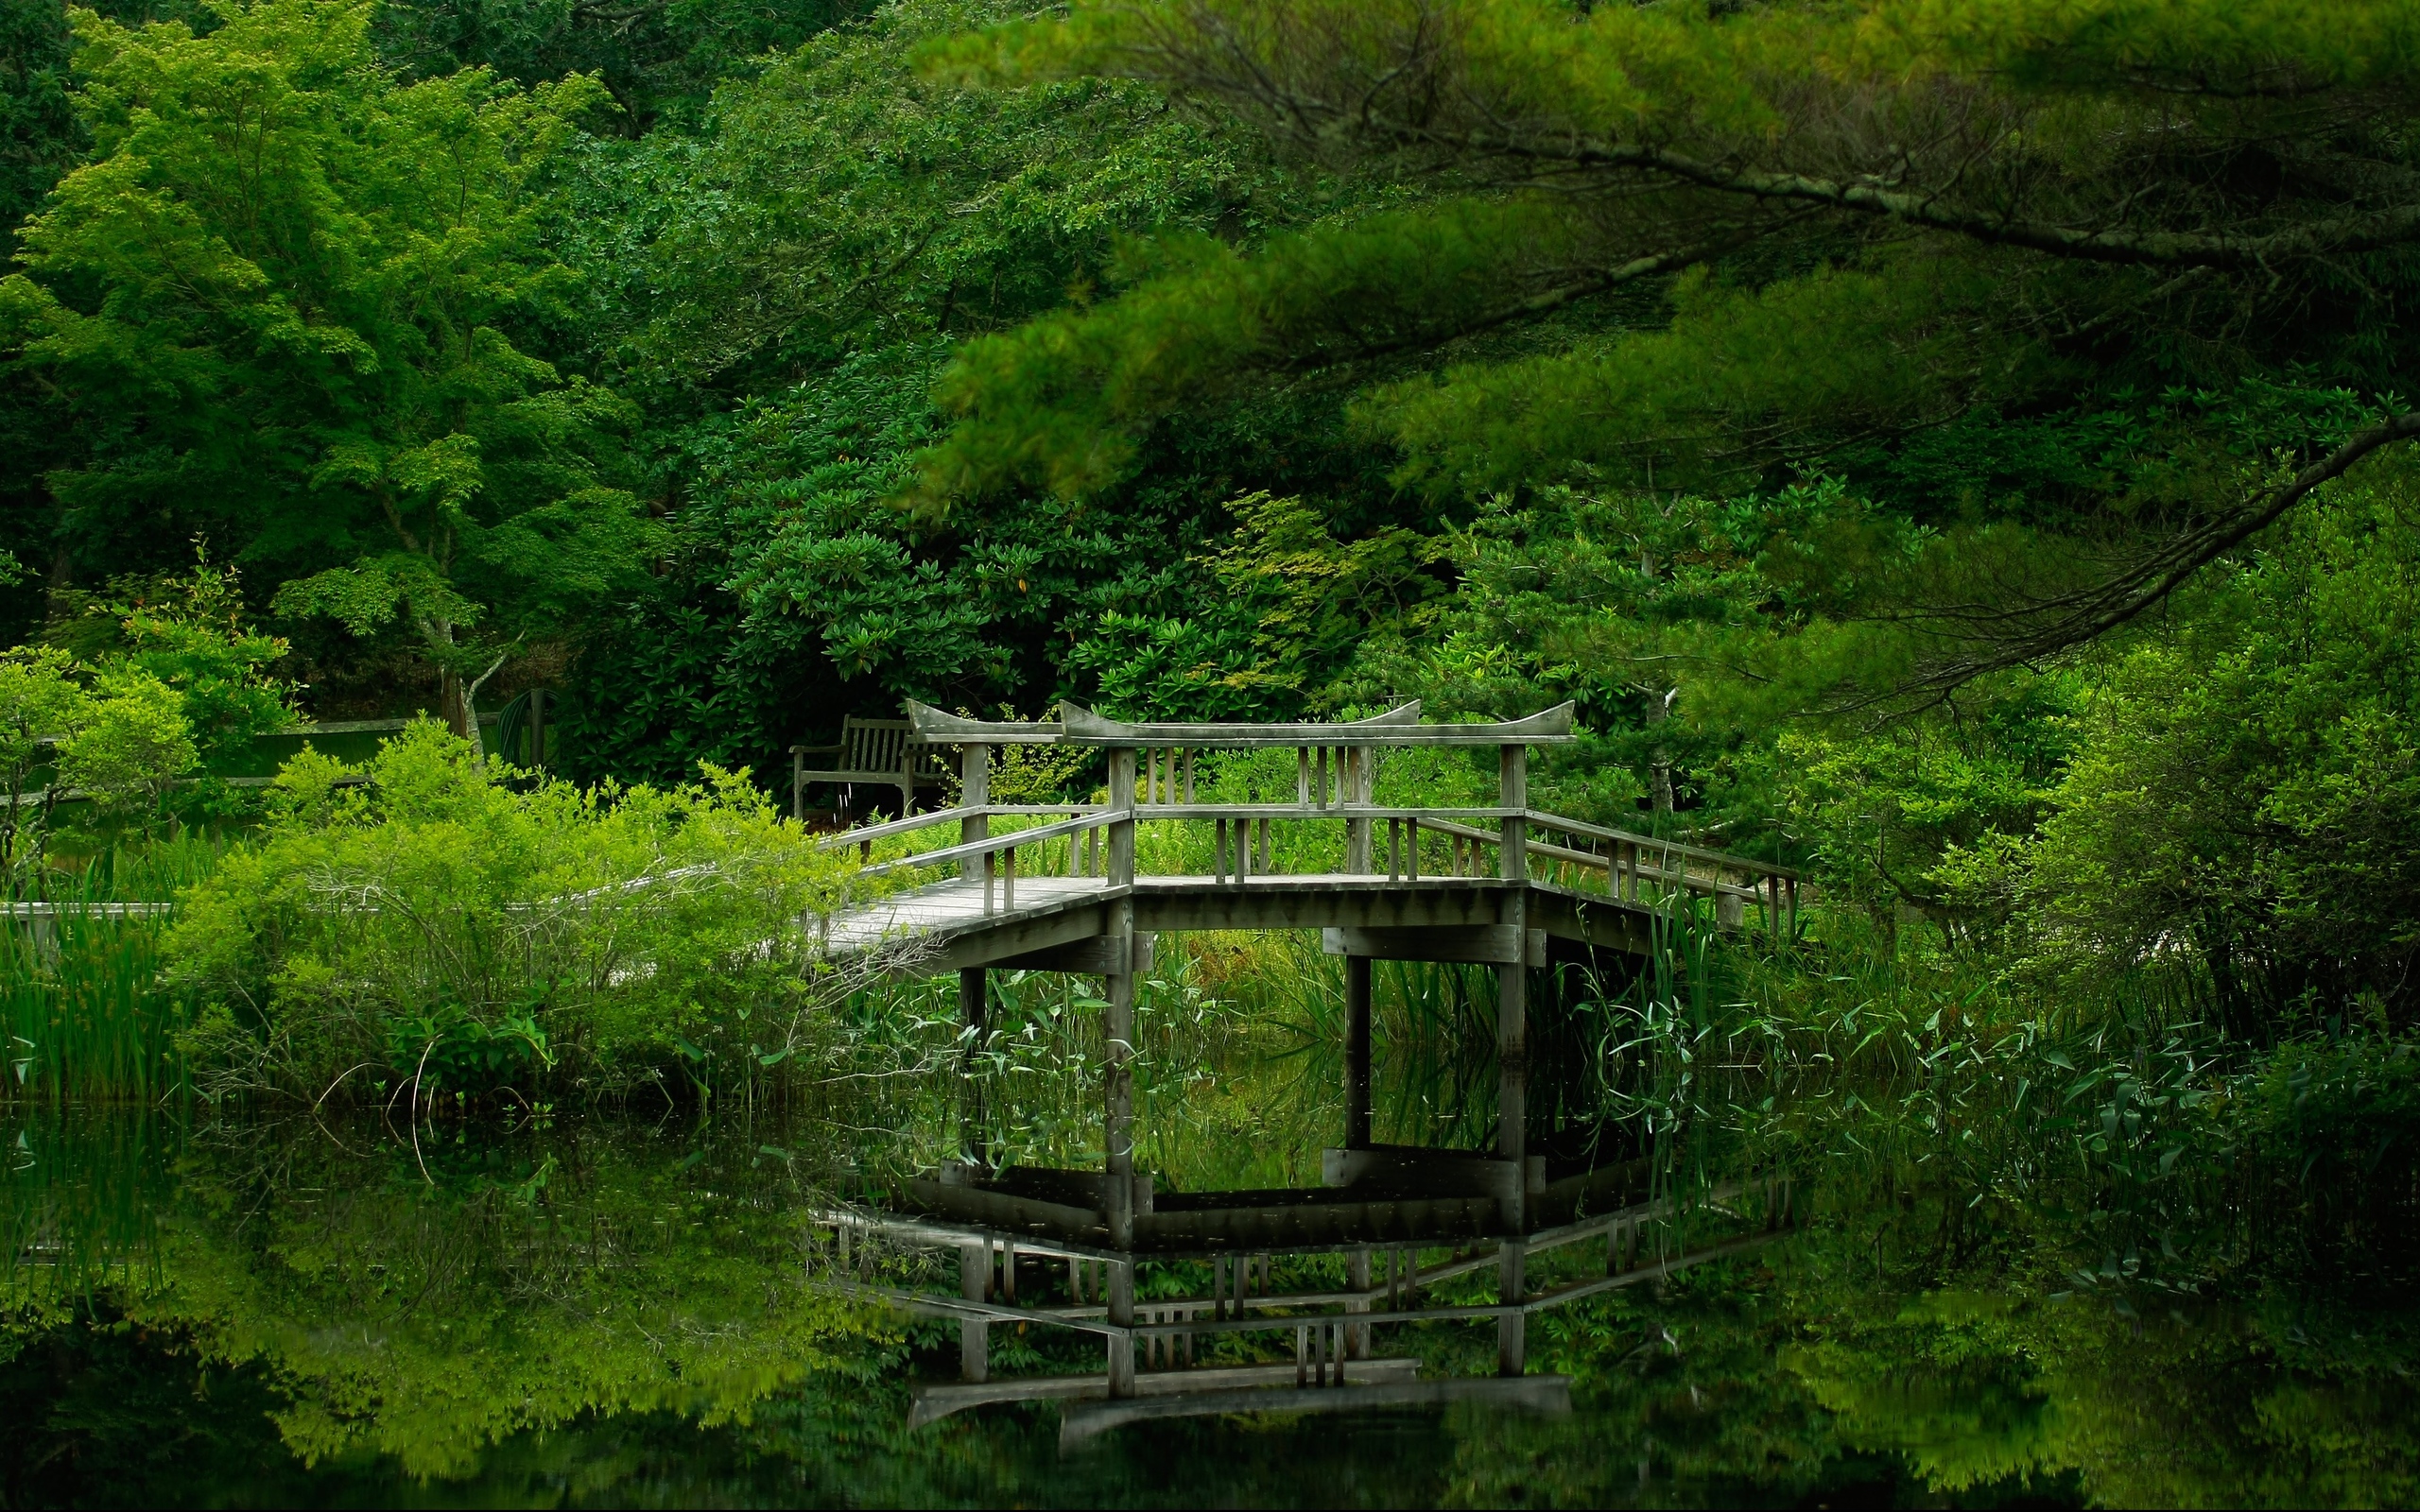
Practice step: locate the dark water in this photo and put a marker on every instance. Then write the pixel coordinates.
(623, 1311)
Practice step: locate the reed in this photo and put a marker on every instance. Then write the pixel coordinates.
(81, 1001)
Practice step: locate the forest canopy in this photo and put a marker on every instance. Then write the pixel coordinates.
(1959, 447)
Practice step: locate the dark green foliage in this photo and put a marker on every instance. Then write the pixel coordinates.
(660, 59)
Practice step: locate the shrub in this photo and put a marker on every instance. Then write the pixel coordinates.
(433, 918)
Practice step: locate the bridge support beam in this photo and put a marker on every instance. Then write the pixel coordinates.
(971, 993)
(1513, 1063)
(1512, 1329)
(1121, 1312)
(974, 1336)
(974, 792)
(1356, 1051)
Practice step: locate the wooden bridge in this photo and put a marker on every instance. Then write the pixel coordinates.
(1058, 887)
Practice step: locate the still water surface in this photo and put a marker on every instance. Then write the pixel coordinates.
(628, 1310)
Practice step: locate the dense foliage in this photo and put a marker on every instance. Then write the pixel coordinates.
(1950, 446)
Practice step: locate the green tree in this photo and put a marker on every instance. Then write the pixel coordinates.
(660, 59)
(282, 301)
(40, 702)
(1691, 246)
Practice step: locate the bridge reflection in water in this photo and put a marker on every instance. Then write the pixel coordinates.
(1504, 885)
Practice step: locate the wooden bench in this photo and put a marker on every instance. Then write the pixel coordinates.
(880, 752)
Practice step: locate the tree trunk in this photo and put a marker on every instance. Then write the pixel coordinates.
(1659, 764)
(470, 695)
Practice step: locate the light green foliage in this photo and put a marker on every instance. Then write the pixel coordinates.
(2250, 785)
(192, 634)
(40, 700)
(1897, 819)
(302, 280)
(1062, 402)
(1288, 606)
(661, 61)
(838, 203)
(587, 937)
(136, 744)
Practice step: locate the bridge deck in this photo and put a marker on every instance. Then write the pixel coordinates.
(945, 926)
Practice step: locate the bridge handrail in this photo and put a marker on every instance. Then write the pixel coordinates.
(1396, 727)
(970, 850)
(920, 821)
(1093, 815)
(1694, 853)
(1667, 875)
(1298, 810)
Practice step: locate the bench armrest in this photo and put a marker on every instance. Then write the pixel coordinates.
(814, 750)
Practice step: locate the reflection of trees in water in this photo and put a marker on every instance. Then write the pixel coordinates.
(627, 1307)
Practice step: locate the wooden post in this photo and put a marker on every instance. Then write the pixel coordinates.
(1356, 1335)
(797, 785)
(1353, 785)
(1120, 869)
(974, 792)
(1121, 1312)
(1117, 1033)
(974, 1336)
(1513, 979)
(970, 1005)
(1512, 1329)
(1512, 792)
(1356, 1051)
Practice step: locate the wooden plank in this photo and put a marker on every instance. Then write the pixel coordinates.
(1499, 944)
(1093, 955)
(935, 727)
(1541, 1394)
(1150, 812)
(1011, 1215)
(1398, 1171)
(1042, 1183)
(1289, 901)
(1592, 920)
(1083, 726)
(932, 1403)
(1004, 840)
(1330, 1223)
(1551, 727)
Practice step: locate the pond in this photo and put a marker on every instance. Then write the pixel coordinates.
(644, 1307)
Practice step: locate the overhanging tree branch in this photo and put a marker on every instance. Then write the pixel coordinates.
(2028, 635)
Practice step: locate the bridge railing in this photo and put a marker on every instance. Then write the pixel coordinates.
(1154, 778)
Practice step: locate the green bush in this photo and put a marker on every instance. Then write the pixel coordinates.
(432, 918)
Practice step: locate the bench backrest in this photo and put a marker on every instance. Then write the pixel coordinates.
(877, 745)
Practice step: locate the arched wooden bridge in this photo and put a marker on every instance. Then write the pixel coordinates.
(1057, 887)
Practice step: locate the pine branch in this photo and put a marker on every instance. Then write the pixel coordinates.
(2031, 633)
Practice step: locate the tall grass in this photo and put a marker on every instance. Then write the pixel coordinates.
(80, 996)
